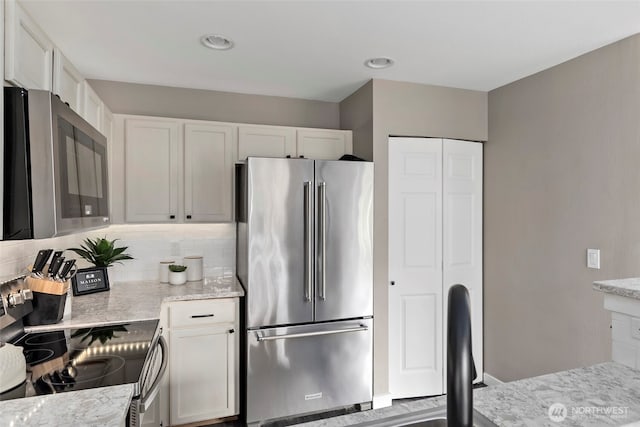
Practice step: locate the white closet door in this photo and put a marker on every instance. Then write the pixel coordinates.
(462, 232)
(415, 267)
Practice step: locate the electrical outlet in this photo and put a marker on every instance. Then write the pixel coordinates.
(593, 258)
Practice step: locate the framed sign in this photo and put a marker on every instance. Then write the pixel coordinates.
(90, 280)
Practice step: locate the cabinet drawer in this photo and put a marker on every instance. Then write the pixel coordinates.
(196, 313)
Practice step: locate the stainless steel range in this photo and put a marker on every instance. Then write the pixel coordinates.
(70, 359)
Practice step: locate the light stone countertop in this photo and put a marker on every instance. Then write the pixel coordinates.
(596, 389)
(96, 407)
(135, 301)
(606, 394)
(624, 287)
(124, 302)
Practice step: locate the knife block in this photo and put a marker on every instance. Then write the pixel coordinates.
(49, 298)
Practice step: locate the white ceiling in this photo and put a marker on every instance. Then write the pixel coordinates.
(316, 49)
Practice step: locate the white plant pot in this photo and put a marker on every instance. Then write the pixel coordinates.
(177, 278)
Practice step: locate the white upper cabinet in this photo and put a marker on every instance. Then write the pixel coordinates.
(182, 171)
(208, 171)
(323, 144)
(28, 50)
(152, 149)
(92, 107)
(107, 124)
(266, 141)
(68, 83)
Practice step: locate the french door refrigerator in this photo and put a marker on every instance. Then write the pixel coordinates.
(305, 246)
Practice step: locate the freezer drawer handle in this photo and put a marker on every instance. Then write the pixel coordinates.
(261, 337)
(198, 316)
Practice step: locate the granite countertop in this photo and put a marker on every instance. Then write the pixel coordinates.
(607, 394)
(99, 407)
(124, 302)
(624, 287)
(135, 301)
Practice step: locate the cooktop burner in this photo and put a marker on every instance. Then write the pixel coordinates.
(76, 359)
(37, 356)
(44, 338)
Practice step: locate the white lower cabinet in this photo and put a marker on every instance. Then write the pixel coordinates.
(203, 360)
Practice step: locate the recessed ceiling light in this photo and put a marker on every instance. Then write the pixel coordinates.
(382, 62)
(216, 41)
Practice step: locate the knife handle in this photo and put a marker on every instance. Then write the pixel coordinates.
(66, 268)
(56, 263)
(41, 261)
(56, 255)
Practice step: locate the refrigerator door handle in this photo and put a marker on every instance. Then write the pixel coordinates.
(260, 337)
(322, 234)
(308, 241)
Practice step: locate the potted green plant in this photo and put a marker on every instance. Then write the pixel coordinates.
(101, 252)
(177, 274)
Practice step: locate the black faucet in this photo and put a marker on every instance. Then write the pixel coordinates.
(461, 371)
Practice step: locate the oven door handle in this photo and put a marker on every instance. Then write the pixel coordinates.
(151, 394)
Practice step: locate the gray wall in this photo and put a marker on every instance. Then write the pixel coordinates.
(410, 109)
(163, 101)
(356, 114)
(561, 176)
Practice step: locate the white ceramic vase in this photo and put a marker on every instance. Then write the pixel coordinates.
(194, 268)
(164, 270)
(177, 277)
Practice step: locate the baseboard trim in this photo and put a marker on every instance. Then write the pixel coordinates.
(381, 401)
(491, 380)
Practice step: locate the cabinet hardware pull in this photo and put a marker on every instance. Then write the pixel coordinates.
(188, 216)
(231, 331)
(197, 316)
(172, 217)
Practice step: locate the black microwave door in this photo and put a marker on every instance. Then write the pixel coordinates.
(83, 174)
(17, 204)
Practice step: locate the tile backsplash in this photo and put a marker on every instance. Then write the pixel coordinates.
(148, 244)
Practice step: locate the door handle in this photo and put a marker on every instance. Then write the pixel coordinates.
(322, 245)
(146, 400)
(308, 241)
(260, 337)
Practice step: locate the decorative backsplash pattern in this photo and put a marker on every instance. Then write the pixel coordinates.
(148, 244)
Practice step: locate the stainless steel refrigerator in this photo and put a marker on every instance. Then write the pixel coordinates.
(305, 259)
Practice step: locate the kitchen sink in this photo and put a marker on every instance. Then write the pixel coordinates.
(434, 417)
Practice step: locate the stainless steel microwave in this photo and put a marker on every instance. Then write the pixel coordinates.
(55, 168)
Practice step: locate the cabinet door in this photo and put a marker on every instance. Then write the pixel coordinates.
(208, 165)
(266, 141)
(202, 373)
(29, 52)
(152, 148)
(323, 144)
(68, 83)
(92, 107)
(107, 124)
